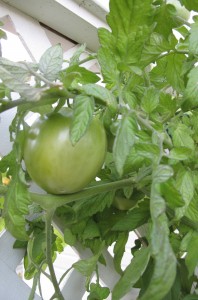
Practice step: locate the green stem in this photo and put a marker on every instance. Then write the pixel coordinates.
(28, 105)
(90, 57)
(47, 201)
(34, 286)
(172, 52)
(48, 220)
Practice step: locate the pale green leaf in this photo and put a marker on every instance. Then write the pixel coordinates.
(18, 86)
(119, 250)
(98, 292)
(171, 194)
(155, 46)
(165, 262)
(191, 258)
(162, 173)
(192, 209)
(193, 40)
(91, 206)
(87, 266)
(69, 237)
(102, 94)
(191, 5)
(80, 74)
(91, 230)
(180, 153)
(148, 150)
(107, 61)
(16, 207)
(18, 69)
(135, 217)
(191, 91)
(74, 60)
(182, 137)
(83, 113)
(51, 61)
(174, 70)
(132, 273)
(185, 185)
(150, 100)
(125, 139)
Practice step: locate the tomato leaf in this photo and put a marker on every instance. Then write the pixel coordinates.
(182, 137)
(119, 250)
(16, 207)
(98, 292)
(191, 258)
(174, 70)
(87, 266)
(185, 185)
(191, 5)
(91, 206)
(51, 61)
(135, 217)
(193, 40)
(147, 150)
(91, 230)
(83, 113)
(106, 59)
(154, 47)
(171, 194)
(69, 237)
(165, 261)
(162, 173)
(124, 141)
(180, 153)
(19, 86)
(191, 91)
(102, 94)
(132, 273)
(82, 75)
(18, 69)
(74, 60)
(150, 100)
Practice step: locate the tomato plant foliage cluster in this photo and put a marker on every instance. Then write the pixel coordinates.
(147, 103)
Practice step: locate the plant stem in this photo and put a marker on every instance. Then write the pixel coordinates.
(90, 57)
(172, 52)
(48, 221)
(27, 104)
(48, 201)
(34, 286)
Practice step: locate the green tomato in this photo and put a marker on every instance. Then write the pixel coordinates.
(182, 12)
(54, 163)
(123, 203)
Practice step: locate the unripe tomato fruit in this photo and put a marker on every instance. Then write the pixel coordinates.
(54, 163)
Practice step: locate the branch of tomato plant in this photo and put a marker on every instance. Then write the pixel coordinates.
(146, 123)
(34, 286)
(48, 221)
(49, 201)
(172, 52)
(90, 57)
(28, 105)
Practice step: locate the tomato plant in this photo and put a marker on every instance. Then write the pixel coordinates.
(147, 109)
(54, 163)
